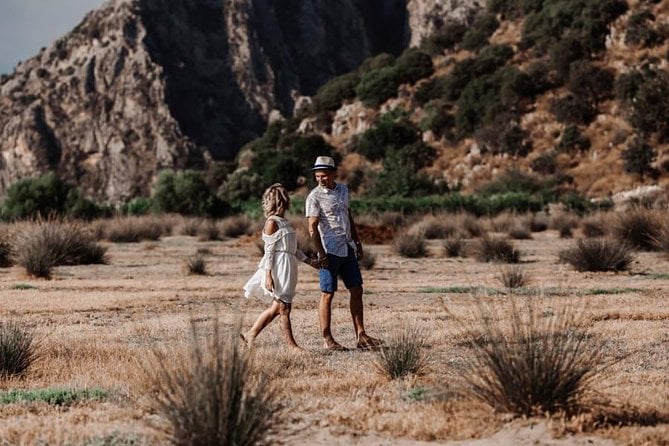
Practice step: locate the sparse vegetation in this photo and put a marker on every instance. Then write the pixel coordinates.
(409, 245)
(513, 277)
(52, 396)
(19, 348)
(403, 353)
(639, 228)
(455, 247)
(196, 264)
(369, 260)
(598, 255)
(209, 395)
(41, 245)
(494, 249)
(534, 363)
(132, 229)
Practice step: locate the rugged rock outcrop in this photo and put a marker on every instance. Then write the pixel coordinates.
(143, 85)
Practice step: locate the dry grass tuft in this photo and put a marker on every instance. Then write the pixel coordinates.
(520, 233)
(513, 277)
(639, 228)
(594, 226)
(211, 396)
(410, 245)
(369, 260)
(196, 264)
(434, 227)
(5, 250)
(403, 353)
(455, 247)
(134, 229)
(209, 231)
(493, 249)
(18, 349)
(43, 244)
(533, 364)
(236, 226)
(470, 225)
(598, 255)
(189, 226)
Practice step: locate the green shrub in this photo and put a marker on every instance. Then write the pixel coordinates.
(572, 140)
(240, 186)
(403, 353)
(589, 81)
(376, 63)
(639, 31)
(546, 163)
(586, 20)
(481, 29)
(186, 193)
(413, 65)
(563, 53)
(210, 395)
(387, 135)
(31, 197)
(19, 349)
(533, 364)
(376, 87)
(435, 88)
(330, 96)
(571, 109)
(138, 206)
(438, 119)
(400, 175)
(504, 135)
(646, 96)
(445, 38)
(638, 156)
(597, 255)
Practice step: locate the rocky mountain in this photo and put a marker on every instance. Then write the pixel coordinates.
(144, 85)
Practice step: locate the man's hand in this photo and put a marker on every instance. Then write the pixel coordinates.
(322, 261)
(360, 254)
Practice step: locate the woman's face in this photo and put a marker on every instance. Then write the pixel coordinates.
(325, 178)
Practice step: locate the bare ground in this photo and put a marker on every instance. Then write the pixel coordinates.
(98, 322)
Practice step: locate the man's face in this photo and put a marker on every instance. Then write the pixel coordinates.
(325, 178)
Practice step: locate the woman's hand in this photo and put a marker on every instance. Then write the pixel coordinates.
(269, 281)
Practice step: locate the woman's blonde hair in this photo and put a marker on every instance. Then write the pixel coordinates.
(275, 198)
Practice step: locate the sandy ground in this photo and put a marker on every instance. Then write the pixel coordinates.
(97, 323)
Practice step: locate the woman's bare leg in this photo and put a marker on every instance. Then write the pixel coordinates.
(263, 321)
(286, 326)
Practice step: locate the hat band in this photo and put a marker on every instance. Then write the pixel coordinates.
(322, 166)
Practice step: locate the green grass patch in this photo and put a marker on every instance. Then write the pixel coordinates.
(55, 397)
(459, 290)
(417, 394)
(24, 286)
(659, 276)
(599, 291)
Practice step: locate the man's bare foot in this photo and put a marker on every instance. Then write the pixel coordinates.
(243, 338)
(335, 346)
(368, 342)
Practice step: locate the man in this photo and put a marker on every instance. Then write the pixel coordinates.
(334, 235)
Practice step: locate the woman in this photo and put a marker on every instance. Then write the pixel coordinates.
(276, 277)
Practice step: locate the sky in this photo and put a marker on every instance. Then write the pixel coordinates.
(28, 25)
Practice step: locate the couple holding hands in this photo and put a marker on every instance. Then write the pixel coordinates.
(333, 233)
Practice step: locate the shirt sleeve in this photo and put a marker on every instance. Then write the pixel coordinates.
(312, 208)
(270, 247)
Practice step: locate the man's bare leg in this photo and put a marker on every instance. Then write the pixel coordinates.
(325, 317)
(357, 313)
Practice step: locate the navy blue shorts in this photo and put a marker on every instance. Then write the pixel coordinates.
(346, 267)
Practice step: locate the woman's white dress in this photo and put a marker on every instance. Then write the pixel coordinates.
(281, 257)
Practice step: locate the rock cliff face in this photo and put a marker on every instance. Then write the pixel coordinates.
(143, 85)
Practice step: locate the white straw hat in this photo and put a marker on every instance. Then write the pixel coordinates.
(324, 163)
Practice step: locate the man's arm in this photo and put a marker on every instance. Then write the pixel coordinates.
(315, 236)
(356, 238)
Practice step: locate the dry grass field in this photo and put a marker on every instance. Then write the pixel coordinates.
(98, 324)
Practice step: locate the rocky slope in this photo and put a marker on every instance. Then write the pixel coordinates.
(143, 85)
